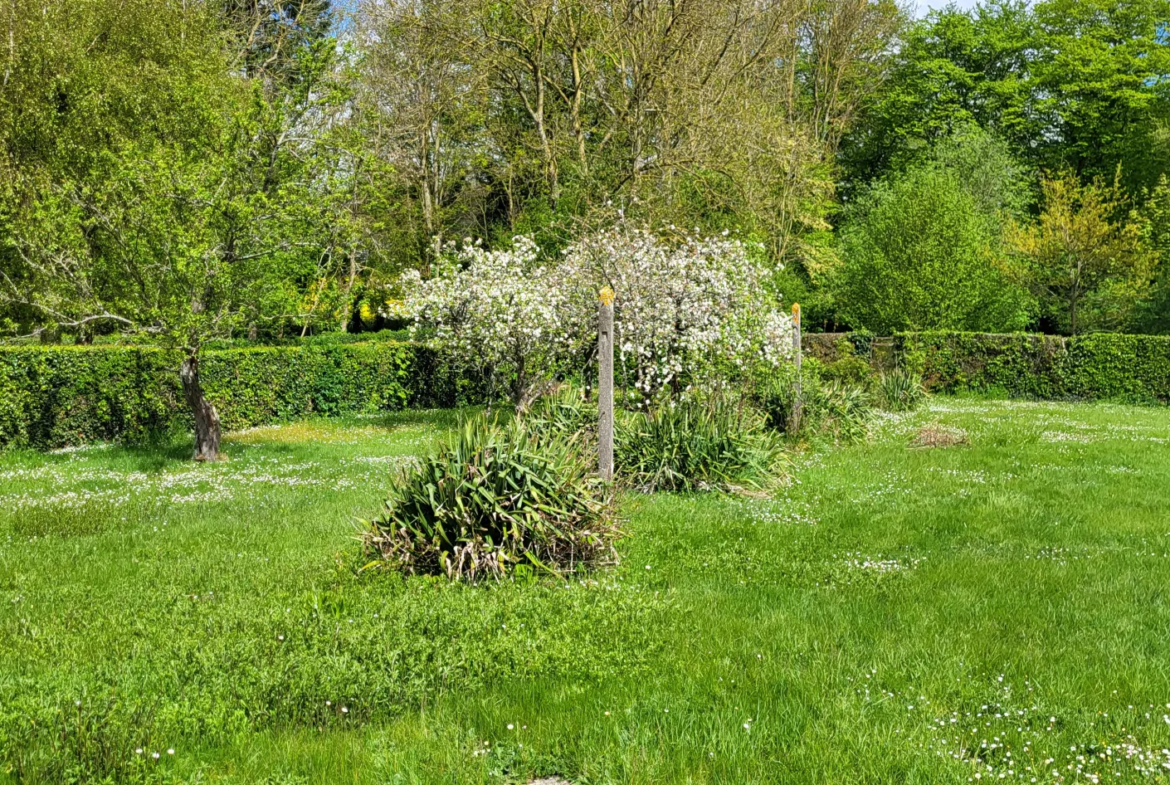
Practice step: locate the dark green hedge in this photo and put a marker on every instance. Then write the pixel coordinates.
(55, 396)
(1098, 367)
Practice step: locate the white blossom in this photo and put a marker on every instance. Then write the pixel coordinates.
(681, 311)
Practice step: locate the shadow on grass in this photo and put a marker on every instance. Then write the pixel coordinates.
(166, 450)
(439, 418)
(157, 456)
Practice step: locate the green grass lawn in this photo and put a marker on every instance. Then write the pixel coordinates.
(988, 611)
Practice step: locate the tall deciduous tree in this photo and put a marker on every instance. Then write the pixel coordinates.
(1154, 214)
(1086, 256)
(531, 115)
(922, 252)
(177, 246)
(268, 38)
(158, 192)
(1070, 84)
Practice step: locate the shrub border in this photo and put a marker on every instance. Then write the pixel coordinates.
(58, 396)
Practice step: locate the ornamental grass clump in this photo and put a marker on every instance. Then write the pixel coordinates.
(899, 390)
(491, 499)
(699, 444)
(565, 412)
(829, 409)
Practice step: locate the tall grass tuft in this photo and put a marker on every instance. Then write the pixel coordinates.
(831, 409)
(838, 411)
(715, 443)
(492, 498)
(899, 390)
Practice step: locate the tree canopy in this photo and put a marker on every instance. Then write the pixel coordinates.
(176, 171)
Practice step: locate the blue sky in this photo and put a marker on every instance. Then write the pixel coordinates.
(923, 6)
(926, 5)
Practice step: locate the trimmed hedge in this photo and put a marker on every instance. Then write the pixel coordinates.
(55, 396)
(1099, 366)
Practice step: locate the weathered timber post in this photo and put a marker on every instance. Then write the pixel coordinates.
(798, 398)
(605, 385)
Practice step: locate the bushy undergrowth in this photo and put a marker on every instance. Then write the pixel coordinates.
(493, 498)
(703, 442)
(837, 397)
(838, 411)
(710, 443)
(565, 412)
(829, 408)
(848, 368)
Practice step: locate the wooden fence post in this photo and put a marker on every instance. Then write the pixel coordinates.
(605, 385)
(798, 398)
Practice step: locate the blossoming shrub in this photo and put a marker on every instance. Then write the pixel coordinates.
(684, 313)
(493, 499)
(500, 312)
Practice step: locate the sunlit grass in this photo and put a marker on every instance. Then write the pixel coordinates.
(894, 614)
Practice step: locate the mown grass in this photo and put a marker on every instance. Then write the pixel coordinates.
(893, 615)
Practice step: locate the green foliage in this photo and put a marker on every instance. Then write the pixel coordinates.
(837, 396)
(830, 408)
(275, 39)
(84, 78)
(837, 411)
(492, 500)
(862, 342)
(63, 395)
(848, 368)
(899, 390)
(322, 339)
(232, 635)
(1153, 213)
(52, 397)
(1067, 83)
(919, 254)
(564, 412)
(1096, 366)
(699, 443)
(158, 186)
(1088, 262)
(987, 170)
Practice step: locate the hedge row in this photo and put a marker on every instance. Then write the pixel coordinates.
(56, 396)
(1097, 367)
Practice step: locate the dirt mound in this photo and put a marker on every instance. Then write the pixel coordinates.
(935, 435)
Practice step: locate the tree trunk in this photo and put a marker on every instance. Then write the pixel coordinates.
(207, 430)
(347, 308)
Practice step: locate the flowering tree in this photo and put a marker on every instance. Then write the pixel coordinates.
(683, 312)
(499, 310)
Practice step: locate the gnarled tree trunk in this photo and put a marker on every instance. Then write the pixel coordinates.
(207, 430)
